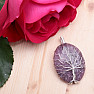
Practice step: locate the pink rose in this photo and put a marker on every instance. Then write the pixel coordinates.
(35, 20)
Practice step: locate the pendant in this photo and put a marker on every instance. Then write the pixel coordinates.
(69, 62)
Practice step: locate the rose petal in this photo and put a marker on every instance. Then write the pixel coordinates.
(38, 37)
(66, 16)
(75, 2)
(51, 25)
(56, 15)
(35, 27)
(3, 16)
(13, 10)
(22, 24)
(46, 18)
(73, 15)
(45, 1)
(33, 12)
(14, 32)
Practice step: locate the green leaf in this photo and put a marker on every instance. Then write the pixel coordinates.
(1, 3)
(6, 60)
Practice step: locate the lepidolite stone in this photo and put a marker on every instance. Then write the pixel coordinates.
(69, 63)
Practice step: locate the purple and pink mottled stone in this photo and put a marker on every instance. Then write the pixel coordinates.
(69, 63)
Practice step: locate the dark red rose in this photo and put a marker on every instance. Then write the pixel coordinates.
(35, 20)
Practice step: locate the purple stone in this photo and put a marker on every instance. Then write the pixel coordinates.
(69, 63)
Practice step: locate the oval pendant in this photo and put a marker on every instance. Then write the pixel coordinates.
(69, 62)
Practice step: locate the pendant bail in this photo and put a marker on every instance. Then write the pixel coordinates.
(62, 40)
